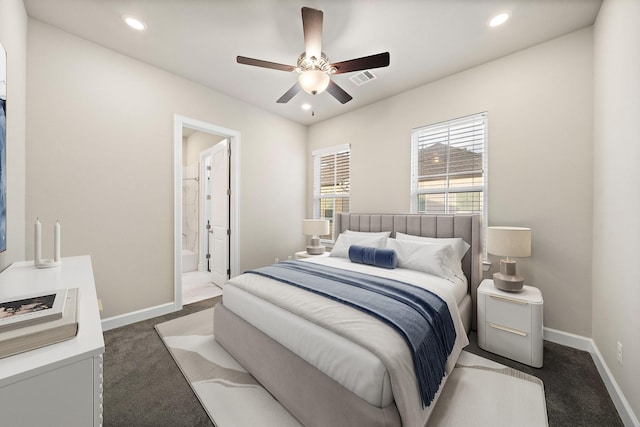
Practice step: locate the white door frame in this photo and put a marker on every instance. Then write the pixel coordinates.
(179, 122)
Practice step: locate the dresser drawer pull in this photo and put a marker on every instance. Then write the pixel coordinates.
(514, 300)
(506, 329)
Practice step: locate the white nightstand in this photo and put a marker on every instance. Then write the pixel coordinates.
(510, 323)
(304, 254)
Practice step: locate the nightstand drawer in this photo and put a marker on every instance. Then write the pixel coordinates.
(509, 342)
(509, 312)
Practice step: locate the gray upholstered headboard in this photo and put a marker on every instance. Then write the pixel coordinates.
(466, 226)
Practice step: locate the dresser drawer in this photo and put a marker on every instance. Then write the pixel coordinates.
(508, 342)
(509, 312)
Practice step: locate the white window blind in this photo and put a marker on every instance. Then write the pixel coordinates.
(331, 184)
(449, 167)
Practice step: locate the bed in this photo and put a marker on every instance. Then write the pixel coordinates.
(331, 364)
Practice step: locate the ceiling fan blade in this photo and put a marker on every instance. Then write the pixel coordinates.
(364, 63)
(264, 64)
(338, 93)
(289, 94)
(312, 27)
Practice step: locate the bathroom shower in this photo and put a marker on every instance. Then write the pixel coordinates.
(190, 215)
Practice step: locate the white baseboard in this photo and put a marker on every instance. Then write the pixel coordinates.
(587, 344)
(622, 405)
(137, 316)
(568, 339)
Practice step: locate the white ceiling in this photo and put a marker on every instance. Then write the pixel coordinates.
(427, 40)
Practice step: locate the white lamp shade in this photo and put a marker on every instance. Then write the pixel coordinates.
(509, 241)
(315, 227)
(313, 81)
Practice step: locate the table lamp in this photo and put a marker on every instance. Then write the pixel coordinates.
(315, 228)
(508, 241)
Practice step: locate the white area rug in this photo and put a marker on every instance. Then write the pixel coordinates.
(478, 393)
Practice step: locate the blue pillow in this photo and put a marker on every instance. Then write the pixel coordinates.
(379, 257)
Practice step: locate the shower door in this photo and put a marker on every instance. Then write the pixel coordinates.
(219, 208)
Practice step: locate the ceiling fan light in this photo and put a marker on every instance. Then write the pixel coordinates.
(499, 19)
(313, 81)
(134, 22)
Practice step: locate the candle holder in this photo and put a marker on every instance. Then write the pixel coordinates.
(48, 263)
(37, 258)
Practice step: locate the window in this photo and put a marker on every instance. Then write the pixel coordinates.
(331, 183)
(449, 167)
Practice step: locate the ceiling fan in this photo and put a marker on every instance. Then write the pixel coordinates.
(313, 66)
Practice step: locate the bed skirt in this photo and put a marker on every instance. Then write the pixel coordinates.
(307, 393)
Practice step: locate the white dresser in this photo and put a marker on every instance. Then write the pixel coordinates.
(59, 384)
(510, 323)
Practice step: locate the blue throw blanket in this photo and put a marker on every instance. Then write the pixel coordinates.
(420, 316)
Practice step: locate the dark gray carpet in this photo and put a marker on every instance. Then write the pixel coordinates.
(144, 387)
(142, 384)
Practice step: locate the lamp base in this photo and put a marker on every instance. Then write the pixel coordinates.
(315, 248)
(508, 283)
(507, 280)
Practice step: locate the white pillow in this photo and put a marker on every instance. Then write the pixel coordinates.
(455, 262)
(432, 259)
(344, 241)
(384, 234)
(461, 247)
(368, 233)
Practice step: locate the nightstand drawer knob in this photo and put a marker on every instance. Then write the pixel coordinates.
(506, 329)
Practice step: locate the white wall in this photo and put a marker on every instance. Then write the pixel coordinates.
(616, 212)
(100, 159)
(540, 112)
(13, 36)
(196, 143)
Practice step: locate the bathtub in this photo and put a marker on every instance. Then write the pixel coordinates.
(189, 261)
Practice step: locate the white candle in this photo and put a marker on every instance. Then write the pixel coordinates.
(56, 242)
(37, 242)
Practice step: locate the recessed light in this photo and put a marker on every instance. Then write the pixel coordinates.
(306, 106)
(499, 19)
(134, 22)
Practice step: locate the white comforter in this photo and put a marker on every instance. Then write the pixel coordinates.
(379, 339)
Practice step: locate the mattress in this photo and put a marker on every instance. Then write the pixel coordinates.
(314, 399)
(354, 367)
(289, 316)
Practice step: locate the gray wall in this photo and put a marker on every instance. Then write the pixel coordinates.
(100, 159)
(540, 159)
(13, 36)
(616, 225)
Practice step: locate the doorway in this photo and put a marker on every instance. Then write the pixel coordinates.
(206, 200)
(205, 208)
